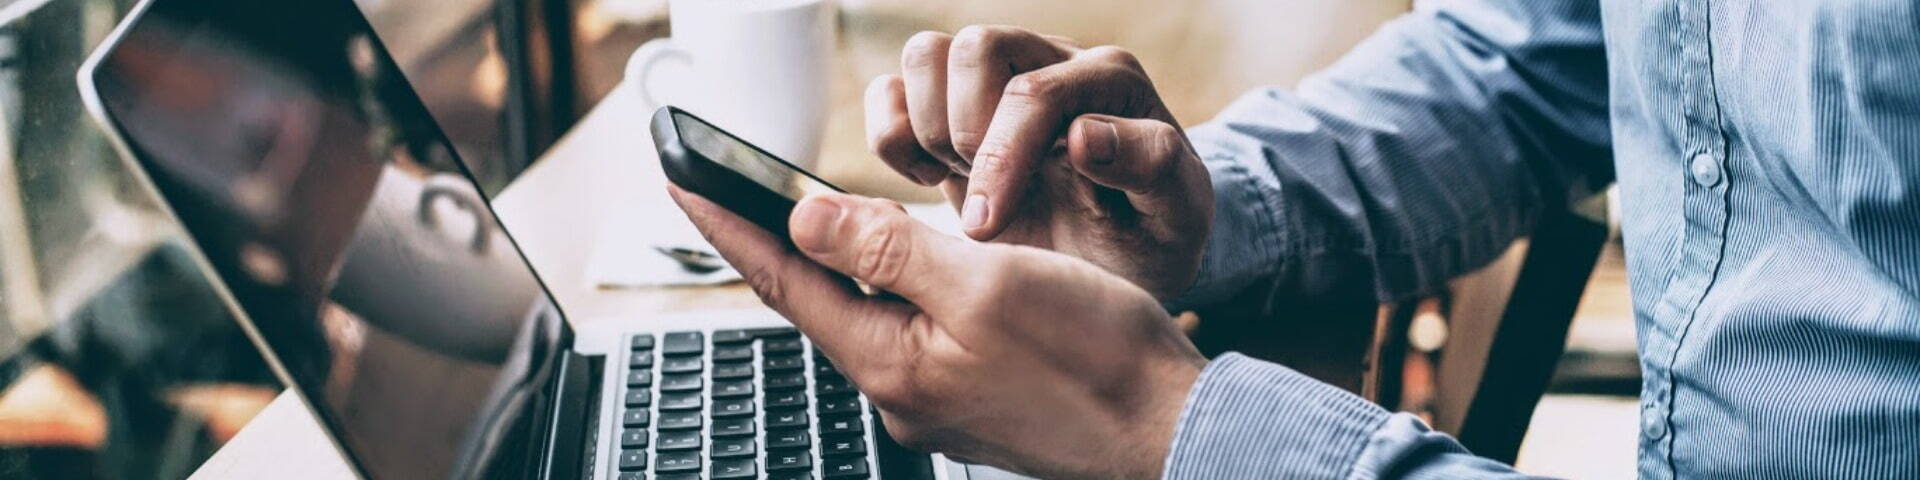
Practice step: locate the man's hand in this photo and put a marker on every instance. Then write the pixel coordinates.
(1020, 358)
(1039, 142)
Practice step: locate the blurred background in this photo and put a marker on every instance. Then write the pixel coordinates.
(116, 360)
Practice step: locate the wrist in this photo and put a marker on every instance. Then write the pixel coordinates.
(1159, 416)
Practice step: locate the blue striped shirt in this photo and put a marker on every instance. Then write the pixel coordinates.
(1768, 158)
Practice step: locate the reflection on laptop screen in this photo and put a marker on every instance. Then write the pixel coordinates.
(334, 211)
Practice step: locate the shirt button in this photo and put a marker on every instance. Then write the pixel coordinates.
(1653, 424)
(1706, 171)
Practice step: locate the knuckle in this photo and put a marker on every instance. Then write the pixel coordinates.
(1165, 143)
(1035, 85)
(892, 140)
(978, 40)
(766, 284)
(979, 45)
(1113, 54)
(924, 49)
(889, 204)
(934, 139)
(966, 143)
(884, 251)
(879, 88)
(991, 161)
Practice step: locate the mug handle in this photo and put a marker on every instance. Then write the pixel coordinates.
(641, 65)
(455, 189)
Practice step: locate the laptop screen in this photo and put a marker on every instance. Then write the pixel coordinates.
(346, 229)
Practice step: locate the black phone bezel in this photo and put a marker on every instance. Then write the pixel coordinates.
(695, 172)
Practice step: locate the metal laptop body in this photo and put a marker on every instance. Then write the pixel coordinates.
(362, 259)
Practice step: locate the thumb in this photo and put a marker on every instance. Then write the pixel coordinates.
(874, 241)
(1148, 159)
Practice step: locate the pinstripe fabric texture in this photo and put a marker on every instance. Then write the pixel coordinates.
(1768, 159)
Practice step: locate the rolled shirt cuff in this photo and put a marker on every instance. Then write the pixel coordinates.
(1244, 243)
(1247, 418)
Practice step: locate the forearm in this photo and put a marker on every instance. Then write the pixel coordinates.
(1251, 419)
(1417, 157)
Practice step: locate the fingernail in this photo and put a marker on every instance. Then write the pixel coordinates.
(974, 214)
(814, 220)
(1103, 140)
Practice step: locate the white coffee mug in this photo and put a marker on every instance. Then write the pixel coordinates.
(757, 68)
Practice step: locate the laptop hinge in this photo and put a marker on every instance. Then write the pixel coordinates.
(569, 448)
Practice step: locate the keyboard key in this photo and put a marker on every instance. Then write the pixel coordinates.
(687, 440)
(677, 462)
(791, 398)
(785, 381)
(842, 446)
(682, 365)
(844, 467)
(741, 468)
(777, 364)
(732, 388)
(680, 383)
(840, 425)
(733, 370)
(633, 438)
(733, 353)
(633, 460)
(639, 378)
(822, 368)
(733, 427)
(633, 476)
(793, 475)
(680, 401)
(785, 346)
(729, 337)
(640, 359)
(838, 404)
(830, 385)
(635, 417)
(787, 419)
(788, 439)
(737, 407)
(789, 460)
(642, 341)
(639, 397)
(680, 420)
(775, 332)
(683, 343)
(734, 447)
(679, 476)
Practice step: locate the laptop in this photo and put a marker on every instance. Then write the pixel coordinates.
(365, 263)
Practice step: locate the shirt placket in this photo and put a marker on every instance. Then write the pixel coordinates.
(1704, 206)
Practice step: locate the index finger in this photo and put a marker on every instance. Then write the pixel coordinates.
(982, 60)
(1034, 112)
(828, 307)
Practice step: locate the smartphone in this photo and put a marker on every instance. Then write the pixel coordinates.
(744, 178)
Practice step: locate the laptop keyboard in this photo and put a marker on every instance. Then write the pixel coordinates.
(749, 403)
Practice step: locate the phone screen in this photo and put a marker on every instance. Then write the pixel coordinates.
(735, 154)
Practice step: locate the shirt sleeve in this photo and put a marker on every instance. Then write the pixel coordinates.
(1250, 419)
(1418, 156)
